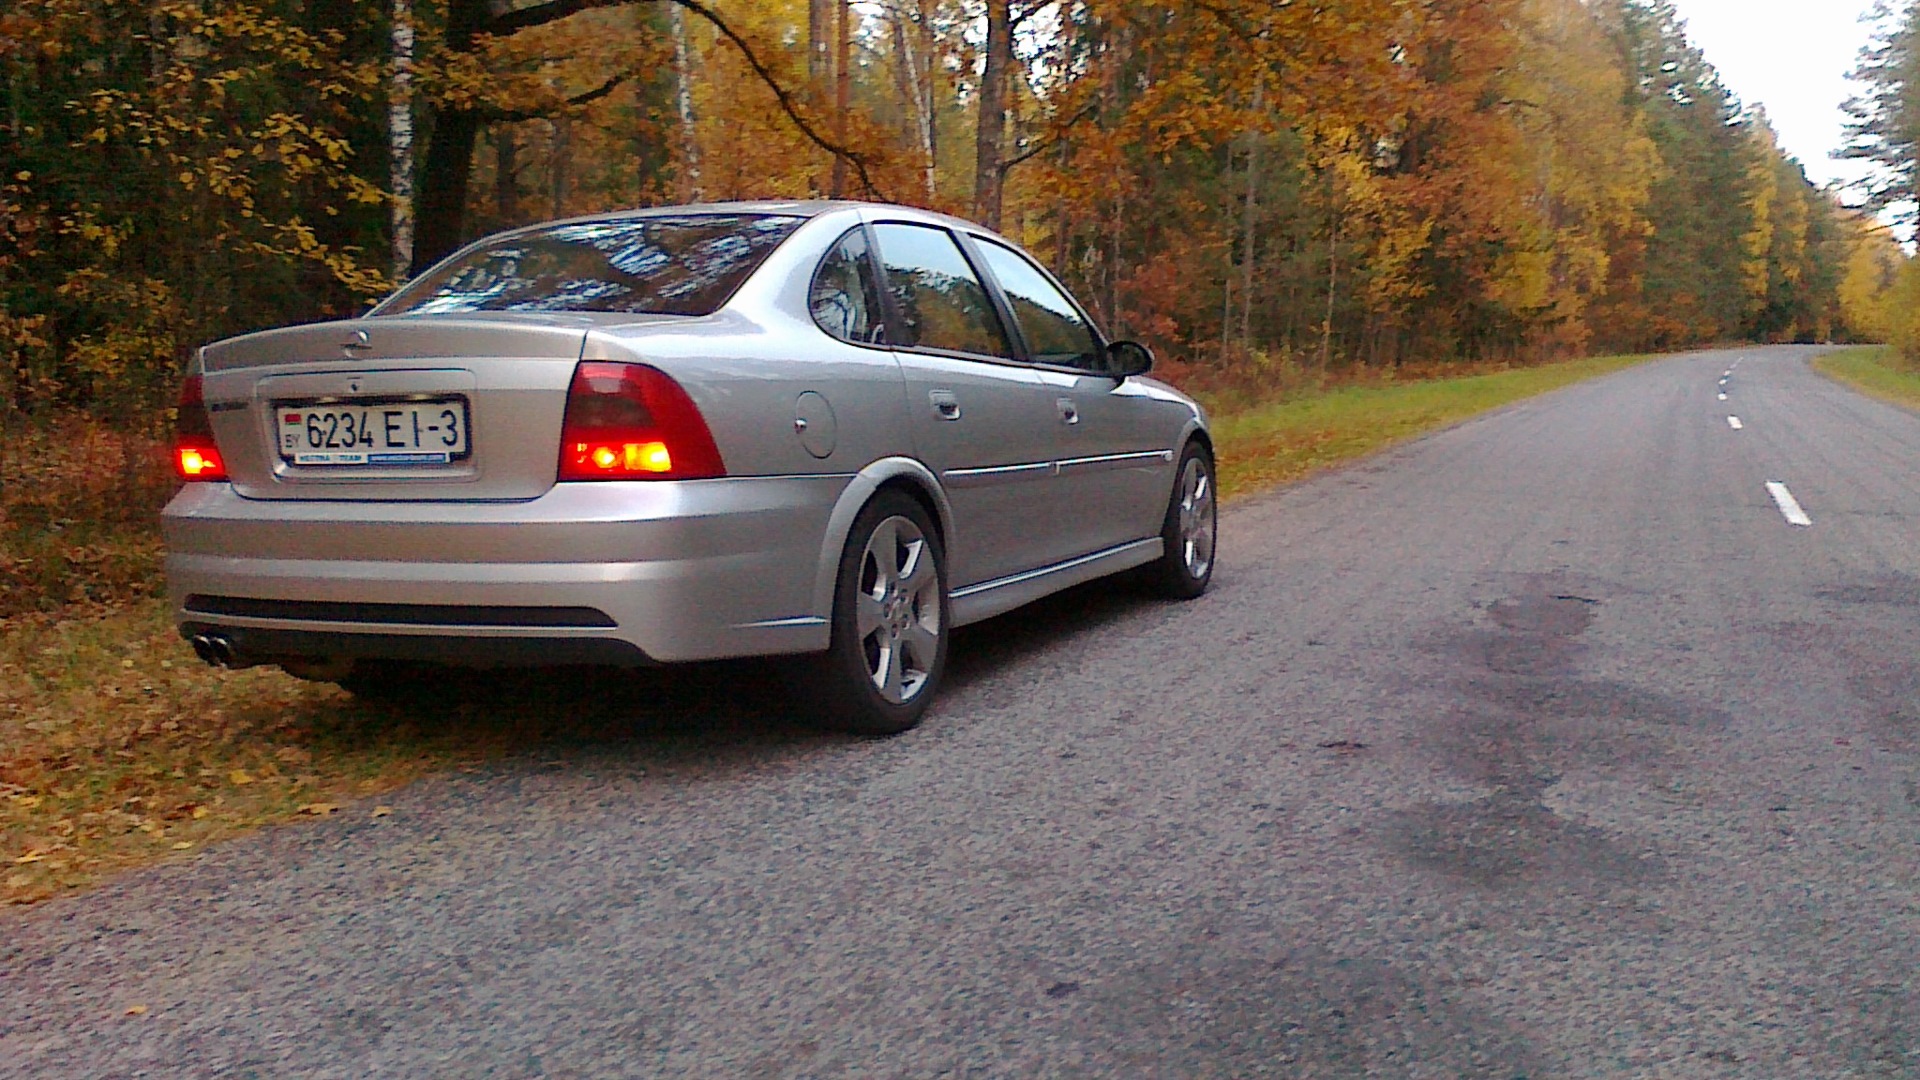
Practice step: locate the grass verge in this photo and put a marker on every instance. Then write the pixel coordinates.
(1272, 444)
(1874, 370)
(119, 748)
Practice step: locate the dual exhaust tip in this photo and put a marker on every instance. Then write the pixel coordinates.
(216, 650)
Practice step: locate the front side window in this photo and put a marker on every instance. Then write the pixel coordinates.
(844, 299)
(688, 264)
(941, 303)
(1056, 332)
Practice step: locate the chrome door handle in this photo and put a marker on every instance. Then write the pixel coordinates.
(1068, 411)
(945, 405)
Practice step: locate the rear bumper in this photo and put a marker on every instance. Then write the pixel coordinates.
(660, 571)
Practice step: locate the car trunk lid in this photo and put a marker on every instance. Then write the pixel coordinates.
(378, 389)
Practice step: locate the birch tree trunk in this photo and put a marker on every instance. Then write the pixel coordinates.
(911, 73)
(930, 107)
(904, 78)
(400, 139)
(925, 102)
(683, 97)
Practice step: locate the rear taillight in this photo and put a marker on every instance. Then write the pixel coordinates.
(633, 422)
(195, 455)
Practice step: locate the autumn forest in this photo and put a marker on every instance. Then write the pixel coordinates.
(1254, 188)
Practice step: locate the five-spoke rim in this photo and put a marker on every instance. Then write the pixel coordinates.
(897, 609)
(1196, 518)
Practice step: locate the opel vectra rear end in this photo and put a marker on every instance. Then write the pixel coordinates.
(672, 436)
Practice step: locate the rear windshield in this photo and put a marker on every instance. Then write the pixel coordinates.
(683, 265)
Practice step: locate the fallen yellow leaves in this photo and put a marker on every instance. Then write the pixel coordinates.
(136, 1010)
(92, 783)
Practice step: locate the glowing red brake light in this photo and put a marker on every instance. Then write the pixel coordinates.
(195, 455)
(633, 422)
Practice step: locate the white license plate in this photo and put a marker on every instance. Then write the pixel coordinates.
(429, 432)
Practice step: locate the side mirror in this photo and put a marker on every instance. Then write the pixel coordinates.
(1125, 359)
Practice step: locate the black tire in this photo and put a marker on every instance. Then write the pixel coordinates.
(880, 682)
(1188, 532)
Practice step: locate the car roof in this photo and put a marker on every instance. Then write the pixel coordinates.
(803, 208)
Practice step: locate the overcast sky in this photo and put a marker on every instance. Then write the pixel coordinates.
(1791, 56)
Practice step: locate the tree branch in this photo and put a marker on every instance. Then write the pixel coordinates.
(1052, 140)
(788, 104)
(497, 116)
(518, 19)
(1231, 20)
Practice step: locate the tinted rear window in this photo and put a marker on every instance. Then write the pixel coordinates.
(682, 265)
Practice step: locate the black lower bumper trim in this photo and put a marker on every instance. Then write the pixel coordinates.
(415, 614)
(254, 645)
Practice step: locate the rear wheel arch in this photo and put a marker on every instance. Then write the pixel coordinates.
(901, 474)
(924, 497)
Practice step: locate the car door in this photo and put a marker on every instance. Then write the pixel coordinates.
(1112, 441)
(979, 417)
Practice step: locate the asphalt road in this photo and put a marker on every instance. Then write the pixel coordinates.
(1542, 747)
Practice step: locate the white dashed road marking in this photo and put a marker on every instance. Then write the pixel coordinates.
(1789, 506)
(1734, 423)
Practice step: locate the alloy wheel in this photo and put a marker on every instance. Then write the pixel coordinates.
(1196, 518)
(897, 611)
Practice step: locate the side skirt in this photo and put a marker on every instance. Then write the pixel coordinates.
(975, 603)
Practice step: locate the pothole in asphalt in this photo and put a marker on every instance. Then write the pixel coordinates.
(1510, 837)
(1617, 703)
(1513, 749)
(1523, 719)
(1554, 615)
(1515, 654)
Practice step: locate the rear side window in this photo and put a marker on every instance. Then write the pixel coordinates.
(679, 265)
(1055, 330)
(845, 299)
(940, 300)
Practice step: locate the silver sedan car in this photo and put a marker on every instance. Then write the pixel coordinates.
(834, 431)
